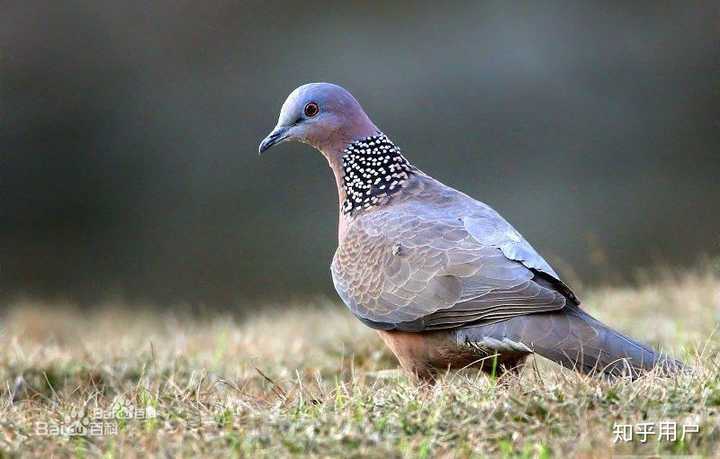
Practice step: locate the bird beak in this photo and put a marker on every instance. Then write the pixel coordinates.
(278, 135)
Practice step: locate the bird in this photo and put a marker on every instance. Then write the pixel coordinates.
(445, 280)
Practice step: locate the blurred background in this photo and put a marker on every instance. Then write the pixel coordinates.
(129, 133)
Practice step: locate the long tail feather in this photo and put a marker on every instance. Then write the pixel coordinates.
(574, 339)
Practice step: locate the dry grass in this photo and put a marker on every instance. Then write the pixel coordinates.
(308, 381)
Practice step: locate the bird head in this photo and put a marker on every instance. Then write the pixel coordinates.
(323, 115)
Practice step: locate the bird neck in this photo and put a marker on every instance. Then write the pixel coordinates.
(372, 169)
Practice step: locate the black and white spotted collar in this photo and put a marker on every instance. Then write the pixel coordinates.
(373, 168)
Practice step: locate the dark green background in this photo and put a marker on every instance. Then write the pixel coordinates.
(129, 135)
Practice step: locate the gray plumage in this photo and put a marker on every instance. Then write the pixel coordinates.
(418, 256)
(435, 258)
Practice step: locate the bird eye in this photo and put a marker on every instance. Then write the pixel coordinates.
(311, 109)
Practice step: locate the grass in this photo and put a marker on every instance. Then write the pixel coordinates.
(297, 380)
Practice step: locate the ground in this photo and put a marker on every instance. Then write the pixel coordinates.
(312, 380)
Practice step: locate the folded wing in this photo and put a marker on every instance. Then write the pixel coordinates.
(409, 269)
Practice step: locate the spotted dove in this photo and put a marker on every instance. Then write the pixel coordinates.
(446, 281)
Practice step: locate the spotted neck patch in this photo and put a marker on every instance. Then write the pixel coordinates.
(373, 168)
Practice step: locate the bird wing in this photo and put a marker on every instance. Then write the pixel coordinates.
(420, 265)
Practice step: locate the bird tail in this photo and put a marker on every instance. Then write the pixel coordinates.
(574, 339)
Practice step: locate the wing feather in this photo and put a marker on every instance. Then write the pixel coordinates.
(415, 266)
